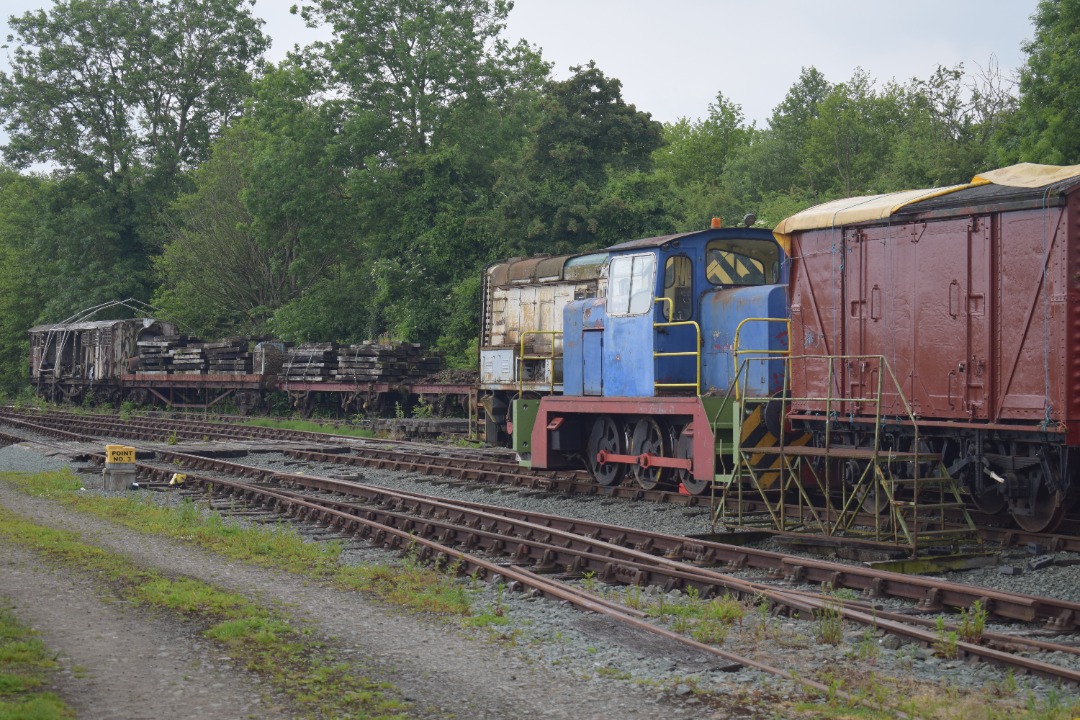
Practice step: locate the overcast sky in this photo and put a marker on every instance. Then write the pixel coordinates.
(673, 57)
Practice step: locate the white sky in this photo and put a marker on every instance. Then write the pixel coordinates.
(673, 57)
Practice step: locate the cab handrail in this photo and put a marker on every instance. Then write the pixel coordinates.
(696, 353)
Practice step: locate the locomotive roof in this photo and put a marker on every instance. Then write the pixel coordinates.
(665, 240)
(1018, 186)
(546, 268)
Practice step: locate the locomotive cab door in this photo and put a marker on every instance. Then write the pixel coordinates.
(592, 364)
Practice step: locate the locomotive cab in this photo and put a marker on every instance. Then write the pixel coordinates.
(668, 323)
(650, 366)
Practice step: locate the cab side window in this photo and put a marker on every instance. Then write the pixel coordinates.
(630, 285)
(678, 289)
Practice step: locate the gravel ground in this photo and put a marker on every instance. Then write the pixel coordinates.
(547, 649)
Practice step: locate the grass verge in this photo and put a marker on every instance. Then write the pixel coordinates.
(410, 584)
(25, 663)
(309, 426)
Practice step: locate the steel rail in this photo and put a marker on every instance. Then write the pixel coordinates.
(561, 591)
(929, 591)
(788, 599)
(637, 568)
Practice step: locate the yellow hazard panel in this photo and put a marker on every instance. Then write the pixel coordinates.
(755, 434)
(119, 454)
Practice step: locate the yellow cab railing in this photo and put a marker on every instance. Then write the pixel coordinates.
(550, 357)
(696, 353)
(757, 352)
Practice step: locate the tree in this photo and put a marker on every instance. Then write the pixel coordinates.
(772, 163)
(1047, 128)
(109, 85)
(943, 132)
(697, 151)
(694, 158)
(585, 134)
(412, 61)
(269, 208)
(22, 298)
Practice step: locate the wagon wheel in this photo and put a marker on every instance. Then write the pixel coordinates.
(651, 437)
(1044, 507)
(1047, 510)
(989, 500)
(860, 481)
(606, 436)
(684, 450)
(246, 401)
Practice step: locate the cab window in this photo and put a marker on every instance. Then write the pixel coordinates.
(742, 262)
(631, 280)
(678, 288)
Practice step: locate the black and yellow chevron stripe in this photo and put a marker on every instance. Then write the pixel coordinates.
(756, 434)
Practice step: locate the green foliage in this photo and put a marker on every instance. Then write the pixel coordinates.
(830, 623)
(945, 646)
(561, 193)
(973, 622)
(359, 188)
(267, 222)
(107, 86)
(1047, 128)
(414, 62)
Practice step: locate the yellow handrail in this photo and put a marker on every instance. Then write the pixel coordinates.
(739, 351)
(696, 353)
(522, 357)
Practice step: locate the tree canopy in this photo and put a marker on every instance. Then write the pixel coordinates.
(358, 188)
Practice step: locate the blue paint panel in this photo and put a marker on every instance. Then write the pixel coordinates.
(628, 356)
(593, 370)
(676, 370)
(615, 355)
(721, 312)
(578, 316)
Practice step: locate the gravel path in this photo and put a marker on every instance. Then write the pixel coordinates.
(119, 661)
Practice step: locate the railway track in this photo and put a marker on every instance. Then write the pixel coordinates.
(493, 465)
(454, 532)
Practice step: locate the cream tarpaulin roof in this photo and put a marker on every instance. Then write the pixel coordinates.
(1029, 175)
(847, 211)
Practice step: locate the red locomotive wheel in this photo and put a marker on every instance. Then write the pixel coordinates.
(650, 437)
(684, 450)
(608, 437)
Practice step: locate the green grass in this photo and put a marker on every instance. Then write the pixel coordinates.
(309, 426)
(25, 663)
(409, 584)
(283, 548)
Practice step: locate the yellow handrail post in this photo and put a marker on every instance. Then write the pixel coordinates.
(522, 357)
(696, 354)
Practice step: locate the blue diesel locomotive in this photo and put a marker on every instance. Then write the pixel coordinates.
(673, 368)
